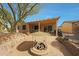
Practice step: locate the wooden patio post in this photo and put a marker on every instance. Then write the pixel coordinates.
(28, 28)
(56, 30)
(16, 29)
(57, 26)
(39, 26)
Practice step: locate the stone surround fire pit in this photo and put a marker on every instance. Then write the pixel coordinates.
(39, 49)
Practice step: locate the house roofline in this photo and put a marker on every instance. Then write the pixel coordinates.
(71, 21)
(55, 18)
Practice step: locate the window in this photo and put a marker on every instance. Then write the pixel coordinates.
(19, 27)
(23, 27)
(36, 27)
(48, 28)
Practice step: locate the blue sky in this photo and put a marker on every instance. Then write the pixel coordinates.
(64, 10)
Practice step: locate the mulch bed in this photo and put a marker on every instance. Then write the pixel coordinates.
(71, 47)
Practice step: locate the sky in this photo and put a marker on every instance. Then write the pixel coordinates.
(66, 12)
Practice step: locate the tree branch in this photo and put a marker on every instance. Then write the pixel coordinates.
(12, 11)
(5, 14)
(19, 11)
(28, 11)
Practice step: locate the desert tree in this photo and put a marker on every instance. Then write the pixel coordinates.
(16, 13)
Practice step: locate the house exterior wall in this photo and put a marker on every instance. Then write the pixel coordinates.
(21, 30)
(67, 27)
(42, 25)
(76, 28)
(70, 28)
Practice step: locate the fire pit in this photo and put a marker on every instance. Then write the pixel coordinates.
(39, 49)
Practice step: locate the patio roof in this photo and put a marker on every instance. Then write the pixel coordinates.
(53, 20)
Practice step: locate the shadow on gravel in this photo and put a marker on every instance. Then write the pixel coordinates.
(59, 46)
(29, 51)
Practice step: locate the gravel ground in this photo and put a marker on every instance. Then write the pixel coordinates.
(10, 47)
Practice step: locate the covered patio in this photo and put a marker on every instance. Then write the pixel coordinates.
(47, 25)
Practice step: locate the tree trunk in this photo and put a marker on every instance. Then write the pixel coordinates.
(13, 28)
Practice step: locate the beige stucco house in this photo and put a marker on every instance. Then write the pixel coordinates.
(46, 25)
(70, 27)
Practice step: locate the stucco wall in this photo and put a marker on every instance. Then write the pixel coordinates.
(67, 27)
(76, 28)
(41, 26)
